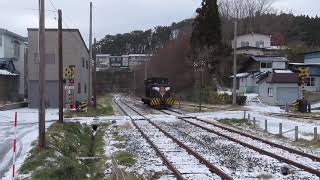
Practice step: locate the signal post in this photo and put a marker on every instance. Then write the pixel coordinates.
(69, 88)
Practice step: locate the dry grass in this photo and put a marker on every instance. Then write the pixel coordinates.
(307, 143)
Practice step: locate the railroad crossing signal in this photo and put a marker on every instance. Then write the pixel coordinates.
(69, 72)
(69, 79)
(303, 72)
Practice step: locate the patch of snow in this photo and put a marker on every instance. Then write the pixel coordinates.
(7, 73)
(241, 75)
(27, 132)
(225, 92)
(283, 71)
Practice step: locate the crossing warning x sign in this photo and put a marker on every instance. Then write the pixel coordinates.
(303, 72)
(69, 72)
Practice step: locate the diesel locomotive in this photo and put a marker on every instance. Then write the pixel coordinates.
(158, 93)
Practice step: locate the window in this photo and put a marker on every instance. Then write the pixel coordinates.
(270, 92)
(244, 44)
(16, 49)
(260, 44)
(85, 88)
(50, 58)
(310, 81)
(79, 88)
(266, 65)
(36, 58)
(83, 62)
(0, 40)
(87, 64)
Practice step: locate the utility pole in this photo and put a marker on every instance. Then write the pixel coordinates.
(195, 66)
(90, 55)
(201, 85)
(94, 75)
(234, 93)
(60, 66)
(42, 78)
(134, 82)
(146, 69)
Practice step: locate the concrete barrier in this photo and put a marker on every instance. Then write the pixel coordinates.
(13, 106)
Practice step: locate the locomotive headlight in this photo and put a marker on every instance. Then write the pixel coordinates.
(156, 88)
(167, 88)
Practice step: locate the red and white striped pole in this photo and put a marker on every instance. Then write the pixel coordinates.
(14, 144)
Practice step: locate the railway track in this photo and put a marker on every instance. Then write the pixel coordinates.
(171, 148)
(296, 116)
(259, 146)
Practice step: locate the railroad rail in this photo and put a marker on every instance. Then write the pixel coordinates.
(257, 149)
(201, 159)
(297, 116)
(170, 166)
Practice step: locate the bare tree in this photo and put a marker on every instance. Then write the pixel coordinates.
(245, 8)
(246, 12)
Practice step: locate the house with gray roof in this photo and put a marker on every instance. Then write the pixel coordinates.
(12, 49)
(312, 63)
(256, 66)
(279, 88)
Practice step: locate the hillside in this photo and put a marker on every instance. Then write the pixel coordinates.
(171, 44)
(297, 32)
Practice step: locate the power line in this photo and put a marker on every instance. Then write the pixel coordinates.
(33, 9)
(94, 21)
(53, 5)
(3, 116)
(64, 21)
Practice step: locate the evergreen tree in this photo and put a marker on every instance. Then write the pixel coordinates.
(206, 27)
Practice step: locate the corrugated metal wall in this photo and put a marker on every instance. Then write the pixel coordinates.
(52, 94)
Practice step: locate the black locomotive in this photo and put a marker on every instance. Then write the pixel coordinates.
(158, 93)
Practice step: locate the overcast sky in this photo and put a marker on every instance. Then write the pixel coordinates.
(117, 16)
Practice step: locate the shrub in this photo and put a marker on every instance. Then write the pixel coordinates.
(210, 96)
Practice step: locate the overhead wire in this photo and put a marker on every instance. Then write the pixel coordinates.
(64, 21)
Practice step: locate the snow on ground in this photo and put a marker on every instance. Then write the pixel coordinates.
(259, 111)
(148, 163)
(27, 132)
(184, 162)
(305, 129)
(234, 159)
(147, 159)
(264, 163)
(315, 107)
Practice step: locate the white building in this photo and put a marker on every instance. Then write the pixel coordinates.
(138, 59)
(106, 61)
(13, 47)
(254, 44)
(103, 62)
(253, 40)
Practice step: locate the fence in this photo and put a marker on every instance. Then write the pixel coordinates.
(280, 133)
